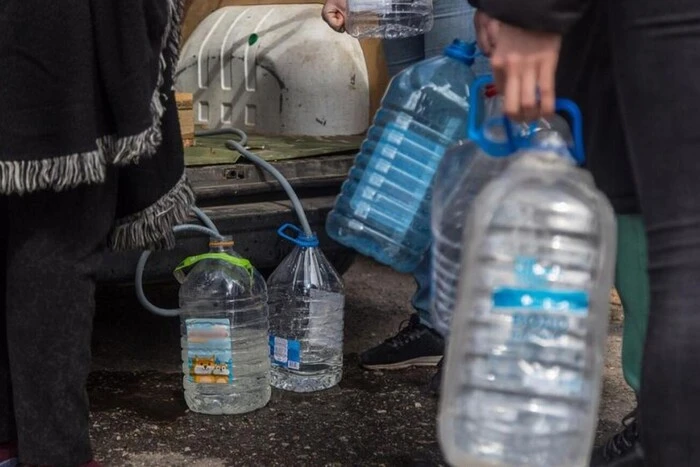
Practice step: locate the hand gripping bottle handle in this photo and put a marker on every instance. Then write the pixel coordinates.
(515, 140)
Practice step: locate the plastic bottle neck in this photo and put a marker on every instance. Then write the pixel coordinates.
(461, 51)
(224, 245)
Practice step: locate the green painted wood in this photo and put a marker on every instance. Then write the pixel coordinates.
(211, 150)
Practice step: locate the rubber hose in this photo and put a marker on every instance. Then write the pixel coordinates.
(141, 266)
(257, 160)
(209, 227)
(204, 219)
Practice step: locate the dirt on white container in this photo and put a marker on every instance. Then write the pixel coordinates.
(275, 70)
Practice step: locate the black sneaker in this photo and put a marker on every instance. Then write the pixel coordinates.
(414, 345)
(623, 448)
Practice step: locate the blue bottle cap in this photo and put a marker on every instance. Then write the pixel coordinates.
(463, 51)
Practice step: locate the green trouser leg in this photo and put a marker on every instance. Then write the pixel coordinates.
(632, 283)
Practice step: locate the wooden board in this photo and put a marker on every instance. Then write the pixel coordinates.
(197, 10)
(185, 112)
(211, 150)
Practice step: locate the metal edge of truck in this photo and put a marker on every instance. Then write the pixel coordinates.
(249, 204)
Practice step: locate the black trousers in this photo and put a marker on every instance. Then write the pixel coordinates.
(50, 250)
(634, 67)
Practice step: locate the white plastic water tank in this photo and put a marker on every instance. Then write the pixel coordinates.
(275, 69)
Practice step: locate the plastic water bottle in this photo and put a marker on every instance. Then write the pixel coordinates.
(464, 171)
(307, 304)
(389, 19)
(525, 355)
(383, 210)
(224, 326)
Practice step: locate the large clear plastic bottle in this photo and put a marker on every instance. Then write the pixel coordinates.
(526, 350)
(224, 323)
(307, 304)
(383, 210)
(389, 19)
(464, 171)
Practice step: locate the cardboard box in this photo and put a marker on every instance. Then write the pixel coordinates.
(185, 111)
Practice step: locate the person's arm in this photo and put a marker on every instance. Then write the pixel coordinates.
(555, 16)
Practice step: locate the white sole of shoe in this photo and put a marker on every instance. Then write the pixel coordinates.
(420, 361)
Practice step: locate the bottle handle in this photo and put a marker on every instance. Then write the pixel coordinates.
(501, 149)
(300, 238)
(577, 148)
(476, 132)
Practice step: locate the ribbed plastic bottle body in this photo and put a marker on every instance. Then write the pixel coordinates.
(224, 329)
(524, 364)
(307, 304)
(389, 19)
(383, 210)
(463, 173)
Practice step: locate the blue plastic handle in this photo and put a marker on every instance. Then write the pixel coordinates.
(498, 149)
(570, 107)
(476, 132)
(300, 239)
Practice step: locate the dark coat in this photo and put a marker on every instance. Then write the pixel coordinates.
(86, 85)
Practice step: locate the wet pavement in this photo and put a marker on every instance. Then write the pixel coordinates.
(139, 417)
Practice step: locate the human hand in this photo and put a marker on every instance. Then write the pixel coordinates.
(486, 32)
(524, 64)
(334, 13)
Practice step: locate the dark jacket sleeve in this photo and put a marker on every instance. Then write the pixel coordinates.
(538, 15)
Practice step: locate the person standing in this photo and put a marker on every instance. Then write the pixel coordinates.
(619, 60)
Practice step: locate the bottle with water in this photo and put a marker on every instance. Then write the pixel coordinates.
(306, 318)
(224, 323)
(389, 19)
(525, 356)
(383, 210)
(464, 171)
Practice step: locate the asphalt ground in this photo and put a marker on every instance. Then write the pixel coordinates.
(139, 417)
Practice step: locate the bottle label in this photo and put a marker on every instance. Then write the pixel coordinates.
(540, 314)
(285, 352)
(547, 318)
(209, 353)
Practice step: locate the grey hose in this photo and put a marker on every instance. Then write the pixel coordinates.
(240, 147)
(209, 228)
(204, 219)
(141, 265)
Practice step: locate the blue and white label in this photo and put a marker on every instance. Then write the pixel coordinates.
(285, 352)
(552, 300)
(540, 314)
(552, 320)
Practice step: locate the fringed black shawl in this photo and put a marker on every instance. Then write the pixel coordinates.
(85, 84)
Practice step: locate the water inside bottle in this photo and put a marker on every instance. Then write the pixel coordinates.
(389, 19)
(524, 360)
(224, 329)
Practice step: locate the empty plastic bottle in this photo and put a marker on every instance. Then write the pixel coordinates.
(524, 363)
(383, 210)
(389, 19)
(464, 171)
(224, 322)
(307, 304)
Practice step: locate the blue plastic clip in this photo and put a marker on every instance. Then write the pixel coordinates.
(301, 239)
